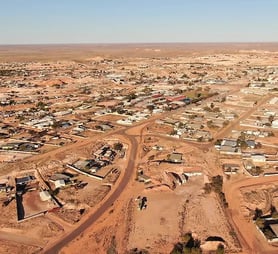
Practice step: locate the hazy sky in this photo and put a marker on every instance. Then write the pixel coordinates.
(110, 21)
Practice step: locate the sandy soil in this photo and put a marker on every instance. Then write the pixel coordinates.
(33, 204)
(157, 225)
(16, 248)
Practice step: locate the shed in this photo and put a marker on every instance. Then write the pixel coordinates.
(24, 180)
(175, 158)
(229, 142)
(59, 176)
(45, 196)
(59, 183)
(231, 166)
(250, 143)
(248, 165)
(258, 158)
(230, 169)
(275, 124)
(144, 178)
(3, 187)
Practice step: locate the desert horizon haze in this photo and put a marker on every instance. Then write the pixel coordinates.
(81, 52)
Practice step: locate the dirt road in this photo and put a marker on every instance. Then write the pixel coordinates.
(252, 241)
(105, 206)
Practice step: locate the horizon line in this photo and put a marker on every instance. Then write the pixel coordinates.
(135, 43)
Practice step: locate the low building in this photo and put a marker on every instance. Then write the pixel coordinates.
(3, 187)
(143, 178)
(59, 183)
(45, 196)
(88, 165)
(229, 150)
(258, 158)
(274, 124)
(10, 146)
(59, 176)
(248, 165)
(229, 142)
(102, 173)
(251, 143)
(230, 169)
(184, 178)
(175, 158)
(193, 173)
(24, 180)
(105, 127)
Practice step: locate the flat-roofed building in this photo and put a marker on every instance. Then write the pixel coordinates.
(45, 196)
(175, 158)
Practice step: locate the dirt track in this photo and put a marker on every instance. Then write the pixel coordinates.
(107, 203)
(252, 241)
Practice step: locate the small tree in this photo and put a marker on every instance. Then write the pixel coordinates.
(200, 139)
(220, 249)
(41, 105)
(226, 122)
(150, 107)
(151, 158)
(258, 145)
(118, 146)
(273, 210)
(131, 96)
(173, 132)
(207, 188)
(257, 213)
(56, 124)
(188, 245)
(271, 118)
(217, 183)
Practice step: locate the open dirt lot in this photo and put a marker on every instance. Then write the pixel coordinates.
(16, 248)
(169, 215)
